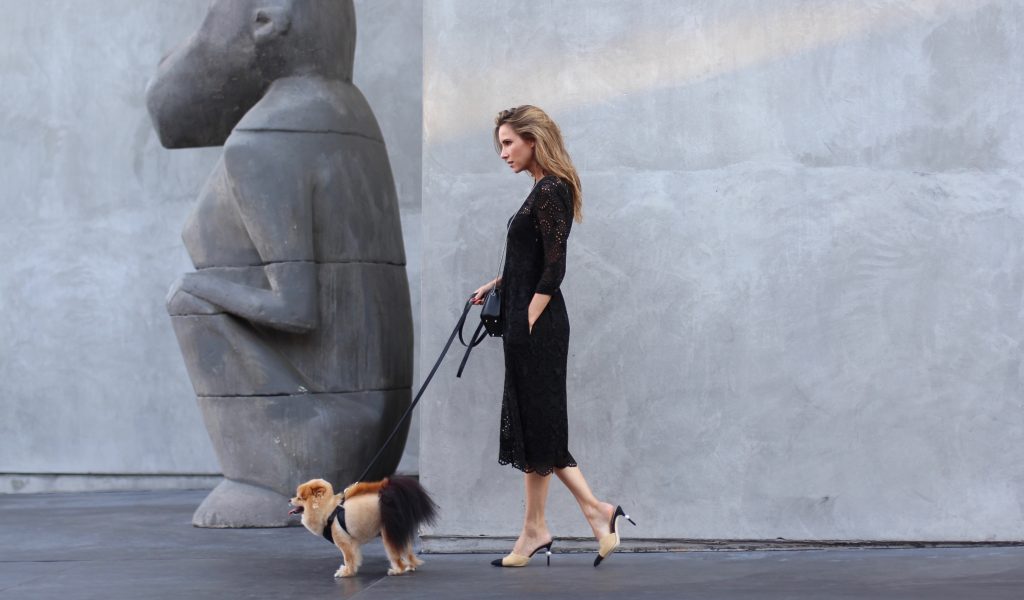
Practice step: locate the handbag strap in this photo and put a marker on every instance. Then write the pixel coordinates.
(481, 334)
(508, 227)
(504, 248)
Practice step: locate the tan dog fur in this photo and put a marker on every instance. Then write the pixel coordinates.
(362, 518)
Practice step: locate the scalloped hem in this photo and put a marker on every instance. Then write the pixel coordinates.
(543, 472)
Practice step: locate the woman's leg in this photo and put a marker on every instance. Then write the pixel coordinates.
(597, 513)
(535, 527)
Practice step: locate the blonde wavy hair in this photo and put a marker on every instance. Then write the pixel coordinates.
(533, 124)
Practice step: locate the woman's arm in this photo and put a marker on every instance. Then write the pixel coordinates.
(553, 217)
(554, 220)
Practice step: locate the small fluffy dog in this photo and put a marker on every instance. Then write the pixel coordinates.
(392, 507)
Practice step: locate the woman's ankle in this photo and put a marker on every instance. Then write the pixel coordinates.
(598, 510)
(534, 531)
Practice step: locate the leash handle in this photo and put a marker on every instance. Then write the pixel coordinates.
(478, 336)
(473, 341)
(451, 338)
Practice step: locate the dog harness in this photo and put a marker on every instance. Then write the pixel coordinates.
(339, 514)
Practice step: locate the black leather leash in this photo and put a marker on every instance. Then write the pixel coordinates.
(478, 336)
(474, 340)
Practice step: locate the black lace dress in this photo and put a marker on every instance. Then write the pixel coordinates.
(534, 424)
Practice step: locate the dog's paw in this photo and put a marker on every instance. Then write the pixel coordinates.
(394, 571)
(344, 572)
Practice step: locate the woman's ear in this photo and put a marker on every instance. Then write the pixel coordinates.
(270, 23)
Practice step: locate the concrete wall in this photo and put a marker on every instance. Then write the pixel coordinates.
(91, 379)
(798, 294)
(389, 71)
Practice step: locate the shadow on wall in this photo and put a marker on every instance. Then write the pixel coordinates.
(837, 62)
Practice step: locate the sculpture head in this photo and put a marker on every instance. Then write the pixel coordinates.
(203, 88)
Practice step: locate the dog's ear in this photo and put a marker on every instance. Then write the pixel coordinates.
(318, 493)
(304, 491)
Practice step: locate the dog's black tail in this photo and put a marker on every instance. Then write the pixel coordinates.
(404, 506)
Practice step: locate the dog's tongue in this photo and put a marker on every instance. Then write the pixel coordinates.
(296, 511)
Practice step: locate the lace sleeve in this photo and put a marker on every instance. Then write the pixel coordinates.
(552, 212)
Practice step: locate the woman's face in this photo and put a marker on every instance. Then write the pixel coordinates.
(515, 151)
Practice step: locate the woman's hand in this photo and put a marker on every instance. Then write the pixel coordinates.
(478, 295)
(537, 306)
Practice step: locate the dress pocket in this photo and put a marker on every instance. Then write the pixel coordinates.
(537, 324)
(518, 327)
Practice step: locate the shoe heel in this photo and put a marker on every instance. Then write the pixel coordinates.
(621, 513)
(547, 551)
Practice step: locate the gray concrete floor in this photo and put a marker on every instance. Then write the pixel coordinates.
(142, 545)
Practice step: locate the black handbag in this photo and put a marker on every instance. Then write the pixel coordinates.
(490, 313)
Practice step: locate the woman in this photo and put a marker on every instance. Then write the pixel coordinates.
(534, 427)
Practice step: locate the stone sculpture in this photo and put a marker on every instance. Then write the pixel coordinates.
(296, 326)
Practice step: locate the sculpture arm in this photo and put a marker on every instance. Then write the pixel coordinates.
(274, 193)
(290, 304)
